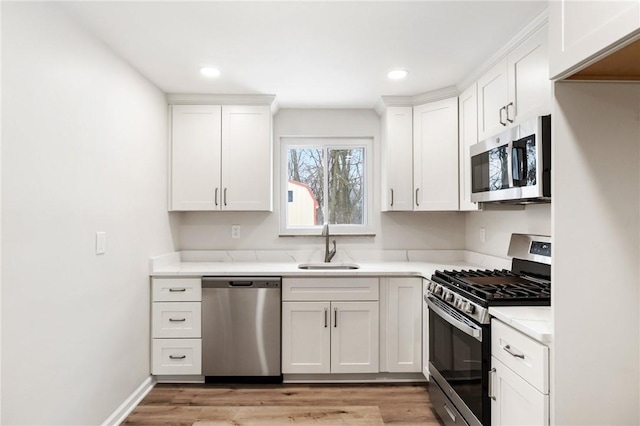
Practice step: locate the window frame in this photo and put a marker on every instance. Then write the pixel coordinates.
(328, 142)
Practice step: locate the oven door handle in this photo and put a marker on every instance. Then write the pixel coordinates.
(470, 331)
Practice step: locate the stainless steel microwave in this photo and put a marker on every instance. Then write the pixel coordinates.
(514, 166)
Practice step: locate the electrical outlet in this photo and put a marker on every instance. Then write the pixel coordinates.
(235, 231)
(483, 235)
(101, 242)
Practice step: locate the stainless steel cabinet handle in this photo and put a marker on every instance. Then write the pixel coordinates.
(177, 357)
(335, 317)
(510, 104)
(391, 197)
(512, 353)
(326, 314)
(174, 290)
(492, 372)
(216, 196)
(417, 203)
(177, 319)
(225, 196)
(450, 413)
(504, 108)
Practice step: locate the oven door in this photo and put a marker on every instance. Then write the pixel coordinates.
(458, 360)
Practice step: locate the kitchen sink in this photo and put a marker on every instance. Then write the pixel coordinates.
(328, 266)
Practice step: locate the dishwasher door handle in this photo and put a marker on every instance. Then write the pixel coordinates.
(240, 283)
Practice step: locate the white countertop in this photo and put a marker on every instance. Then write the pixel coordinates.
(534, 321)
(290, 269)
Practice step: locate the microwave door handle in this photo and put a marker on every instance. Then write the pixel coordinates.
(519, 161)
(470, 331)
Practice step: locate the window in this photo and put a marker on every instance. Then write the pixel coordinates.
(325, 180)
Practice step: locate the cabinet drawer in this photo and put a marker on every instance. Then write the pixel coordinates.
(177, 356)
(176, 289)
(323, 289)
(525, 356)
(176, 319)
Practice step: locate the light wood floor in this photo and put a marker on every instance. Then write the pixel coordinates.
(317, 404)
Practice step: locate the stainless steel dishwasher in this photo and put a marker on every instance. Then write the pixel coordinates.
(241, 329)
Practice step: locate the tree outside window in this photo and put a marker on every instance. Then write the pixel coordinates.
(325, 183)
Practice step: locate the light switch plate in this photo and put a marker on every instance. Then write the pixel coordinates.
(483, 235)
(101, 242)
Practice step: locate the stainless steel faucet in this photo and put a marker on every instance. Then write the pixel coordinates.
(328, 255)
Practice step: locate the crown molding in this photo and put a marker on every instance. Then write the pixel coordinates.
(216, 99)
(537, 23)
(411, 101)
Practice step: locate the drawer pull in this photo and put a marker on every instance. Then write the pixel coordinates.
(450, 413)
(177, 319)
(177, 356)
(491, 373)
(512, 353)
(173, 290)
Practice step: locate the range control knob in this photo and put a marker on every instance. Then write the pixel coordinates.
(469, 309)
(438, 290)
(448, 297)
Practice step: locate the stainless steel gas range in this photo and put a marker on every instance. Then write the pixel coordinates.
(459, 326)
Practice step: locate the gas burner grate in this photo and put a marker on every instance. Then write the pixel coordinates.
(497, 285)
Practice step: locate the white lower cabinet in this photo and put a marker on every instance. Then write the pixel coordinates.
(516, 401)
(330, 336)
(519, 378)
(425, 331)
(176, 345)
(401, 323)
(177, 357)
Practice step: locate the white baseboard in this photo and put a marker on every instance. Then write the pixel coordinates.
(121, 413)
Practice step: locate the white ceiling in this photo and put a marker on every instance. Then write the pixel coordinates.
(327, 54)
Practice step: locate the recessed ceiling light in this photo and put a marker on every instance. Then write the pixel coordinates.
(209, 71)
(397, 74)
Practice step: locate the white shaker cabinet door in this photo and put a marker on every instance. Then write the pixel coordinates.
(492, 101)
(529, 84)
(354, 337)
(435, 156)
(397, 159)
(306, 337)
(515, 402)
(246, 158)
(468, 136)
(404, 325)
(582, 31)
(195, 157)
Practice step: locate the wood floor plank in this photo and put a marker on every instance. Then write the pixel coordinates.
(299, 404)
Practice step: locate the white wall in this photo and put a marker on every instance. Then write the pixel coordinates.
(419, 230)
(84, 150)
(596, 219)
(499, 223)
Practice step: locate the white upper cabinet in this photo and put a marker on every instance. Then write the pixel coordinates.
(435, 155)
(246, 158)
(492, 101)
(468, 134)
(582, 32)
(221, 158)
(397, 159)
(195, 156)
(516, 88)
